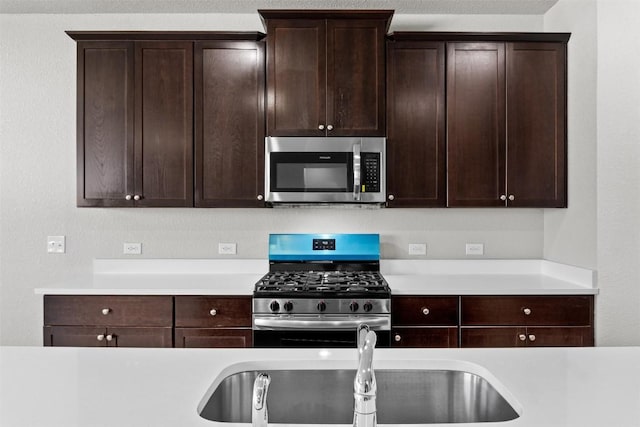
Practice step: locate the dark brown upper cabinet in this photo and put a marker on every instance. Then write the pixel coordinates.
(416, 151)
(135, 124)
(506, 123)
(135, 106)
(326, 72)
(229, 123)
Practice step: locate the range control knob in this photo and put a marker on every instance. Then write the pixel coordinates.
(367, 306)
(274, 306)
(288, 306)
(353, 306)
(322, 306)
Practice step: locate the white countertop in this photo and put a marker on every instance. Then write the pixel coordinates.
(80, 387)
(405, 277)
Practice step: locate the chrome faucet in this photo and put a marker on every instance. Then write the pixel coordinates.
(364, 384)
(259, 417)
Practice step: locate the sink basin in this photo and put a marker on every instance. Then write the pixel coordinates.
(325, 396)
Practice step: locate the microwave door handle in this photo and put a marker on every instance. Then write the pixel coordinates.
(356, 171)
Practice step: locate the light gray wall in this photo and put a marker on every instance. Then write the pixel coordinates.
(618, 317)
(570, 234)
(37, 173)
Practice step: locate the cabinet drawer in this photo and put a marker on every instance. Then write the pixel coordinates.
(424, 311)
(527, 311)
(108, 310)
(213, 312)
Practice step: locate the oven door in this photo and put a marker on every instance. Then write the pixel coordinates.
(313, 339)
(324, 170)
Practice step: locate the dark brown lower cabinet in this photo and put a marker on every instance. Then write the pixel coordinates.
(213, 338)
(90, 336)
(527, 337)
(424, 337)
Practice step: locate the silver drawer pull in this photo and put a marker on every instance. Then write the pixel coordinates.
(522, 337)
(100, 337)
(106, 311)
(109, 337)
(527, 311)
(213, 312)
(397, 338)
(425, 311)
(532, 337)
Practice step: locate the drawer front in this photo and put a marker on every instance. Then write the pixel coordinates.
(213, 312)
(108, 310)
(424, 337)
(527, 311)
(424, 311)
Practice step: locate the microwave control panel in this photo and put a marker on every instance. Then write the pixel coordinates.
(370, 179)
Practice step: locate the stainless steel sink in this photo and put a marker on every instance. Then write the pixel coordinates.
(410, 396)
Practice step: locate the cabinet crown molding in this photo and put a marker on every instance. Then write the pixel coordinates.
(164, 35)
(478, 36)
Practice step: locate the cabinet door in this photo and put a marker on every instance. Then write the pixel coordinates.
(424, 337)
(476, 124)
(164, 123)
(416, 124)
(213, 338)
(355, 77)
(139, 337)
(74, 336)
(492, 337)
(105, 84)
(536, 108)
(229, 99)
(296, 77)
(560, 337)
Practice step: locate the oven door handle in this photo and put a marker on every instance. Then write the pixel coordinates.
(273, 323)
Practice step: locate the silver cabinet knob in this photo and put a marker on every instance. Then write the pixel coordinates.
(532, 337)
(106, 311)
(527, 311)
(321, 127)
(128, 197)
(425, 311)
(109, 337)
(522, 337)
(137, 197)
(260, 197)
(391, 197)
(213, 312)
(512, 197)
(100, 337)
(397, 338)
(329, 127)
(503, 197)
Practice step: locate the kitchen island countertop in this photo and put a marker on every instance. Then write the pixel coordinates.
(79, 387)
(405, 277)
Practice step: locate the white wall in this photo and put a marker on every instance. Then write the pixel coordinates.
(37, 173)
(618, 317)
(570, 234)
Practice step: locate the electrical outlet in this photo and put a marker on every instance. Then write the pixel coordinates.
(227, 248)
(417, 248)
(132, 249)
(475, 249)
(56, 244)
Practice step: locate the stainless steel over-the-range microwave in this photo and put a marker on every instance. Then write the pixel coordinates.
(301, 170)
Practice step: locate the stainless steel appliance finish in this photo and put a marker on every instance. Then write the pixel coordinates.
(345, 170)
(415, 396)
(319, 289)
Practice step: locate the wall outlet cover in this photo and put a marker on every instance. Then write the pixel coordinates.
(132, 249)
(474, 249)
(56, 244)
(417, 248)
(227, 248)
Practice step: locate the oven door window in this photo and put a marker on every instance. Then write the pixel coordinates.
(311, 172)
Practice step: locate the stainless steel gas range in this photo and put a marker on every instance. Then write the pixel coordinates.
(319, 288)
